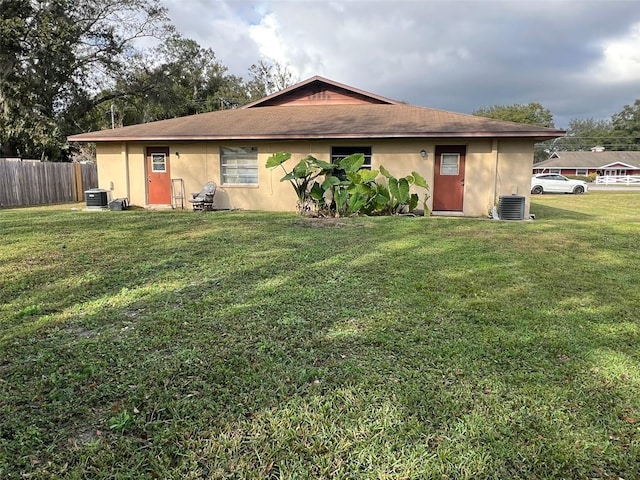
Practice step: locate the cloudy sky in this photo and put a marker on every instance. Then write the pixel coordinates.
(579, 58)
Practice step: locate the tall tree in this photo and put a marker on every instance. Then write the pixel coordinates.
(621, 132)
(532, 113)
(54, 56)
(584, 134)
(182, 78)
(179, 81)
(626, 126)
(268, 77)
(177, 78)
(34, 59)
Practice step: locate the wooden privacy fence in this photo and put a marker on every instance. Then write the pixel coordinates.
(31, 182)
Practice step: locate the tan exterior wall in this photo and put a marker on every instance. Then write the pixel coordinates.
(135, 160)
(479, 178)
(112, 169)
(515, 163)
(493, 168)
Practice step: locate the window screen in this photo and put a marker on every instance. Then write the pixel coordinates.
(239, 165)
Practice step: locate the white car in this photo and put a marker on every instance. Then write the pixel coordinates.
(556, 183)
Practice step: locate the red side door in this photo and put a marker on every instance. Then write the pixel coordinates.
(448, 178)
(158, 176)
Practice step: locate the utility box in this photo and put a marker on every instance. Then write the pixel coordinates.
(97, 198)
(119, 204)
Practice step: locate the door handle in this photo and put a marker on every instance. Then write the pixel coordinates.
(462, 182)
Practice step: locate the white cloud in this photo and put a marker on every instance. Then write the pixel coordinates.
(621, 59)
(572, 56)
(266, 35)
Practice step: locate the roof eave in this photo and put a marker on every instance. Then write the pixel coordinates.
(176, 138)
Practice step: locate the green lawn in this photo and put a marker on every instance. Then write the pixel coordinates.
(181, 345)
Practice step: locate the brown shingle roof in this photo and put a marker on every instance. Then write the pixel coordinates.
(590, 159)
(320, 121)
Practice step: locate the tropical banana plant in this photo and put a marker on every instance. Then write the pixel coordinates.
(301, 177)
(397, 198)
(351, 186)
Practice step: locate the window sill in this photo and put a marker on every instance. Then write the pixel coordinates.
(239, 185)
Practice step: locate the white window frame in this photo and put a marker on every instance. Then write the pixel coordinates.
(155, 163)
(555, 170)
(583, 172)
(446, 169)
(239, 166)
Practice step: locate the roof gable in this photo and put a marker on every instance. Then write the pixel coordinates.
(618, 165)
(320, 91)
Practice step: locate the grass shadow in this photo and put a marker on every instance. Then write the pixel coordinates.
(546, 212)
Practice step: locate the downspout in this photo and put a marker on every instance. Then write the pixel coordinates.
(496, 156)
(127, 185)
(494, 150)
(206, 160)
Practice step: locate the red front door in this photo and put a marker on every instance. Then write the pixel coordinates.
(448, 178)
(158, 176)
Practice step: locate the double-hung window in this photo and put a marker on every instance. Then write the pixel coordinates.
(239, 165)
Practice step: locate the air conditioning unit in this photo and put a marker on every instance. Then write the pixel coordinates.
(511, 207)
(97, 198)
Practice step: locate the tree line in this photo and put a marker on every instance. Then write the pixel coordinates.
(621, 132)
(69, 66)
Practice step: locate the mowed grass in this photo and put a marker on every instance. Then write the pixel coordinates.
(181, 345)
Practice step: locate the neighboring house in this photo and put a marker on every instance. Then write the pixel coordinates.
(595, 162)
(469, 161)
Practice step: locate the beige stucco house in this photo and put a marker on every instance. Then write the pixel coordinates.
(469, 161)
